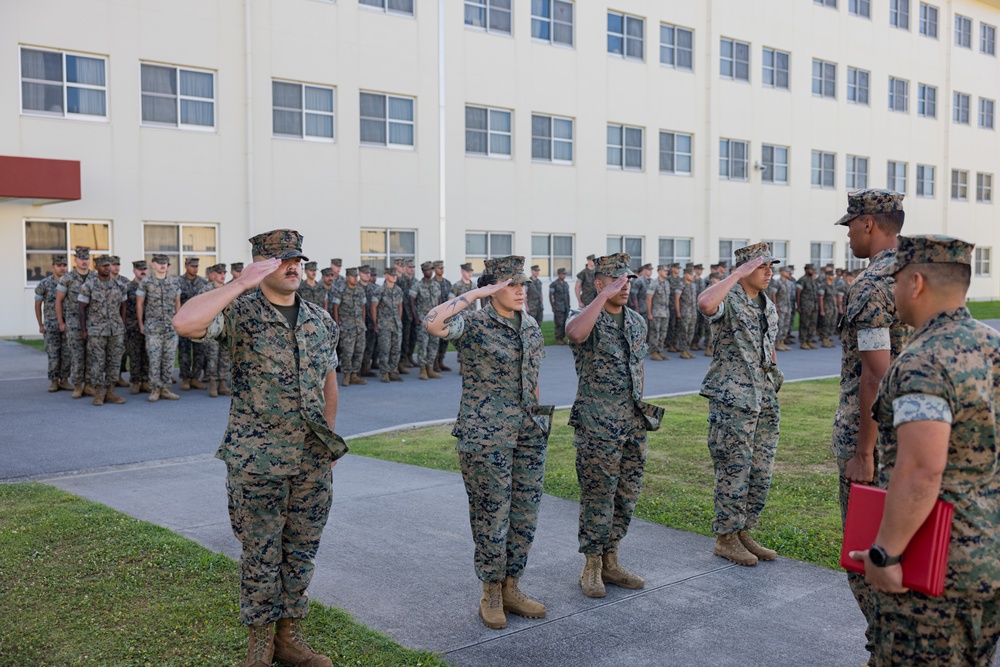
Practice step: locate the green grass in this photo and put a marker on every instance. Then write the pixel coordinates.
(82, 584)
(984, 310)
(802, 517)
(37, 343)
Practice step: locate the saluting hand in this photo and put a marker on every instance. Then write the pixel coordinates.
(744, 270)
(615, 287)
(254, 274)
(487, 290)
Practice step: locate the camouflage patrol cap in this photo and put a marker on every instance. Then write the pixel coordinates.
(746, 253)
(389, 271)
(699, 266)
(161, 259)
(326, 271)
(409, 263)
(871, 202)
(59, 259)
(508, 267)
(561, 271)
(614, 265)
(591, 258)
(279, 244)
(220, 268)
(722, 264)
(438, 264)
(663, 267)
(81, 252)
(140, 264)
(930, 249)
(790, 267)
(115, 259)
(236, 266)
(427, 266)
(192, 261)
(336, 261)
(399, 261)
(689, 270)
(810, 266)
(535, 267)
(675, 265)
(353, 271)
(310, 266)
(102, 260)
(647, 266)
(364, 268)
(466, 267)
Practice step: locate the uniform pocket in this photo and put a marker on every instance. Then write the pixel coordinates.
(542, 416)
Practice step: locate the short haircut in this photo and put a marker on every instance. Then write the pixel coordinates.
(951, 277)
(890, 223)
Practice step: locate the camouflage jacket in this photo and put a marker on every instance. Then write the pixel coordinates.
(370, 290)
(351, 307)
(808, 292)
(279, 375)
(587, 290)
(104, 299)
(158, 303)
(868, 308)
(70, 285)
(827, 293)
(499, 380)
(444, 285)
(426, 296)
(778, 292)
(459, 288)
(609, 371)
(315, 294)
(949, 372)
(637, 294)
(45, 291)
(559, 293)
(190, 287)
(533, 296)
(131, 316)
(689, 299)
(744, 335)
(387, 310)
(662, 297)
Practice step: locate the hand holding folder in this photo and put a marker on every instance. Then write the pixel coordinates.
(925, 559)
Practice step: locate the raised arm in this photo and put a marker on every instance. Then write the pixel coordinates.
(712, 297)
(436, 322)
(578, 329)
(193, 318)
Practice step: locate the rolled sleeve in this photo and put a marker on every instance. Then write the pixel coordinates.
(83, 298)
(870, 340)
(214, 330)
(718, 314)
(456, 328)
(920, 407)
(140, 292)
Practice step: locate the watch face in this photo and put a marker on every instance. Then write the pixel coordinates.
(878, 556)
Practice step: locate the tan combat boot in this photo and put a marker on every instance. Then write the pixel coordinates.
(516, 602)
(433, 374)
(491, 606)
(291, 648)
(762, 553)
(395, 377)
(144, 387)
(213, 388)
(731, 548)
(656, 356)
(185, 384)
(88, 390)
(366, 370)
(99, 396)
(441, 367)
(135, 389)
(111, 397)
(780, 347)
(64, 384)
(805, 346)
(154, 395)
(423, 372)
(167, 394)
(120, 382)
(224, 389)
(401, 369)
(827, 343)
(260, 651)
(54, 385)
(357, 379)
(613, 573)
(385, 378)
(709, 351)
(590, 578)
(436, 366)
(346, 380)
(198, 384)
(78, 391)
(686, 355)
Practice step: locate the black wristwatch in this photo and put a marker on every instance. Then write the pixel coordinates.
(880, 558)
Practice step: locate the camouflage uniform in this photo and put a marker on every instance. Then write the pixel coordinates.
(741, 385)
(427, 297)
(784, 295)
(351, 311)
(403, 282)
(390, 326)
(315, 294)
(157, 314)
(105, 329)
(559, 294)
(533, 300)
(56, 346)
(70, 285)
(135, 342)
(827, 291)
(191, 357)
(215, 355)
(700, 325)
(676, 286)
(808, 308)
(445, 285)
(661, 316)
(637, 295)
(689, 315)
(502, 435)
(371, 338)
(587, 290)
(948, 373)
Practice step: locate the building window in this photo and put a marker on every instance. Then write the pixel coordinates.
(986, 113)
(381, 247)
(926, 101)
(824, 79)
(177, 97)
(675, 250)
(487, 131)
(490, 15)
(179, 242)
(857, 172)
(779, 251)
(826, 3)
(959, 185)
(733, 156)
(925, 180)
(775, 164)
(861, 8)
(899, 14)
(625, 147)
(56, 83)
(43, 239)
(852, 263)
(302, 111)
(898, 94)
(961, 108)
(734, 62)
(896, 176)
(552, 252)
(824, 168)
(481, 245)
(675, 153)
(983, 262)
(386, 120)
(775, 73)
(820, 254)
(984, 188)
(676, 46)
(391, 6)
(928, 20)
(963, 31)
(857, 86)
(552, 21)
(630, 244)
(728, 248)
(987, 39)
(626, 35)
(551, 138)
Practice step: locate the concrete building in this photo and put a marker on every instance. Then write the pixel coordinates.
(458, 129)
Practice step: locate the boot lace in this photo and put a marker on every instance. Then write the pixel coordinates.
(594, 573)
(496, 596)
(261, 641)
(298, 637)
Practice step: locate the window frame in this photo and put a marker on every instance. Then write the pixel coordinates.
(733, 247)
(303, 111)
(983, 116)
(552, 22)
(551, 261)
(674, 257)
(924, 104)
(963, 38)
(899, 14)
(987, 39)
(733, 43)
(627, 20)
(487, 8)
(983, 262)
(552, 139)
(851, 175)
(389, 121)
(925, 185)
(821, 259)
(926, 22)
(635, 261)
(893, 177)
(179, 98)
(625, 147)
(674, 48)
(822, 170)
(894, 95)
(383, 7)
(490, 132)
(675, 153)
(477, 259)
(768, 166)
(383, 260)
(178, 257)
(773, 71)
(729, 159)
(959, 185)
(65, 85)
(853, 89)
(984, 188)
(961, 113)
(825, 84)
(70, 245)
(860, 8)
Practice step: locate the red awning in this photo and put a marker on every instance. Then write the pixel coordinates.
(39, 181)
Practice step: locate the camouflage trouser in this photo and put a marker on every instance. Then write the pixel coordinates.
(388, 349)
(279, 521)
(828, 324)
(699, 329)
(671, 332)
(537, 313)
(104, 354)
(442, 348)
(216, 361)
(138, 362)
(916, 629)
(610, 476)
(60, 359)
(657, 333)
(352, 348)
(504, 485)
(191, 358)
(808, 319)
(560, 323)
(406, 338)
(371, 347)
(784, 324)
(685, 332)
(426, 347)
(78, 356)
(863, 593)
(742, 445)
(161, 348)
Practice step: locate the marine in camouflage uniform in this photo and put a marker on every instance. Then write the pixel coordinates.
(135, 342)
(658, 305)
(460, 287)
(741, 385)
(312, 290)
(279, 446)
(216, 356)
(829, 299)
(387, 301)
(637, 293)
(784, 292)
(533, 295)
(445, 285)
(502, 433)
(190, 357)
(808, 307)
(349, 311)
(559, 300)
(676, 285)
(585, 291)
(56, 347)
(403, 282)
(102, 306)
(947, 374)
(424, 295)
(700, 325)
(687, 304)
(158, 298)
(367, 278)
(610, 421)
(66, 307)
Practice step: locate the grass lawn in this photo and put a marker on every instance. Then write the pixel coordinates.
(984, 310)
(802, 517)
(83, 584)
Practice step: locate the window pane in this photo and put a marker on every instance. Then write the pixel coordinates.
(539, 246)
(475, 119)
(156, 79)
(402, 243)
(160, 238)
(562, 33)
(400, 109)
(372, 242)
(86, 101)
(41, 97)
(288, 123)
(401, 134)
(372, 106)
(45, 236)
(475, 244)
(614, 135)
(373, 131)
(476, 141)
(562, 129)
(89, 71)
(500, 121)
(197, 84)
(500, 144)
(501, 244)
(319, 125)
(562, 150)
(197, 113)
(287, 95)
(475, 16)
(41, 65)
(93, 235)
(562, 246)
(198, 239)
(633, 246)
(500, 20)
(319, 99)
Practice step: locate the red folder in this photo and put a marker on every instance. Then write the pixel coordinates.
(925, 560)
